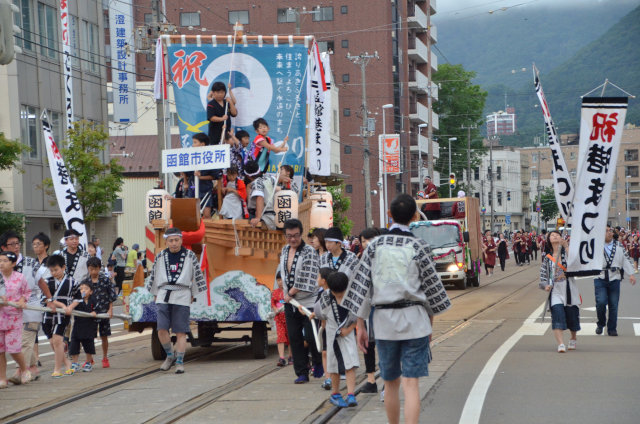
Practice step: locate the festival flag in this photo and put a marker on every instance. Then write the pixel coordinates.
(66, 61)
(319, 112)
(562, 184)
(204, 266)
(601, 125)
(66, 195)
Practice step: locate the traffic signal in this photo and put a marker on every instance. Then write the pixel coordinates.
(508, 195)
(7, 31)
(452, 180)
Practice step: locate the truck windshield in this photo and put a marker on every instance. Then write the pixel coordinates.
(438, 235)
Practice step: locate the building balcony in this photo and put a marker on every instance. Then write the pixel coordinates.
(416, 18)
(417, 50)
(418, 81)
(434, 62)
(433, 33)
(434, 92)
(420, 141)
(419, 113)
(432, 4)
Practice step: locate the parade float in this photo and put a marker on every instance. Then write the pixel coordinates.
(272, 78)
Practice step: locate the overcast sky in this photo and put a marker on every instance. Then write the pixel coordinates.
(451, 8)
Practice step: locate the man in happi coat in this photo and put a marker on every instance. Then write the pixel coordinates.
(176, 279)
(75, 258)
(299, 269)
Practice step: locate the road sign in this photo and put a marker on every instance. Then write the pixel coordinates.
(507, 219)
(196, 158)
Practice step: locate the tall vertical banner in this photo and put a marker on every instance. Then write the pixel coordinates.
(319, 99)
(562, 184)
(601, 124)
(391, 153)
(265, 79)
(66, 195)
(66, 61)
(123, 63)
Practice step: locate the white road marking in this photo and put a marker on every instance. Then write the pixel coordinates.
(589, 308)
(636, 328)
(475, 401)
(99, 343)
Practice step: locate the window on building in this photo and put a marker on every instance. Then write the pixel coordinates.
(48, 28)
(498, 172)
(74, 41)
(89, 46)
(499, 198)
(29, 131)
(24, 19)
(634, 204)
(345, 77)
(346, 111)
(345, 44)
(173, 118)
(476, 174)
(572, 155)
(57, 126)
(631, 155)
(347, 150)
(631, 170)
(534, 173)
(490, 198)
(613, 203)
(239, 16)
(286, 15)
(325, 46)
(534, 158)
(476, 195)
(190, 19)
(116, 206)
(344, 9)
(334, 122)
(349, 188)
(323, 14)
(148, 18)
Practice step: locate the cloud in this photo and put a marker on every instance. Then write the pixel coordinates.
(472, 7)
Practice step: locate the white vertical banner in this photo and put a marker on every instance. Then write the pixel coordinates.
(601, 125)
(319, 113)
(123, 64)
(66, 195)
(66, 61)
(562, 184)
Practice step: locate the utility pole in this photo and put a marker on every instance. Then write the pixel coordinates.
(491, 140)
(363, 60)
(469, 128)
(429, 94)
(160, 113)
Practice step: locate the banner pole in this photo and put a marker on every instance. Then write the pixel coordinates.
(226, 106)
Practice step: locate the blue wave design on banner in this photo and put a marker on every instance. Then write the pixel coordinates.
(265, 81)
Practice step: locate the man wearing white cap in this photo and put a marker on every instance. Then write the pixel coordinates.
(458, 207)
(176, 279)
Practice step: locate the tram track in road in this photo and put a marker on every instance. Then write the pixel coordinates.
(327, 413)
(137, 376)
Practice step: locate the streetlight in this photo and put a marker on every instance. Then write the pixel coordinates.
(450, 140)
(420, 182)
(382, 181)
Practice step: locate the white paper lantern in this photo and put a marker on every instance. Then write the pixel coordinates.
(321, 215)
(285, 206)
(157, 206)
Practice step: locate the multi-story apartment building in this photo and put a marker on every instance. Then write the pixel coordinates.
(625, 196)
(34, 82)
(501, 123)
(398, 30)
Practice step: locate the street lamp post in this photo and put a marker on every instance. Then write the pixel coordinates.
(626, 194)
(450, 140)
(420, 179)
(382, 179)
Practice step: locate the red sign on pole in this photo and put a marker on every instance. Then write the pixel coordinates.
(391, 153)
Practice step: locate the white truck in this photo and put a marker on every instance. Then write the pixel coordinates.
(455, 240)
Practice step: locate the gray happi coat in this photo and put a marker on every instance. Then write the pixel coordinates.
(305, 274)
(190, 282)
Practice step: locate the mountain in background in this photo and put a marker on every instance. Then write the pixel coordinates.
(574, 49)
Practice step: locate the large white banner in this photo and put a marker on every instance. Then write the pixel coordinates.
(562, 184)
(66, 195)
(319, 113)
(66, 58)
(123, 64)
(601, 124)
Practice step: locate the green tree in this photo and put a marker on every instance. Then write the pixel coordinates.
(460, 104)
(10, 152)
(341, 205)
(97, 182)
(549, 208)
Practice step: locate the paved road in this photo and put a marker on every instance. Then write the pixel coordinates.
(224, 384)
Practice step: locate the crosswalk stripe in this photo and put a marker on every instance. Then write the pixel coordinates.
(636, 328)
